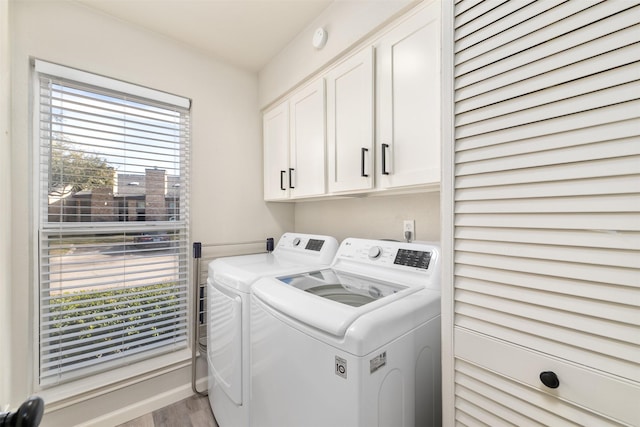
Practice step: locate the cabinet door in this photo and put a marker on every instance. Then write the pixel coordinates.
(276, 152)
(408, 81)
(350, 124)
(306, 172)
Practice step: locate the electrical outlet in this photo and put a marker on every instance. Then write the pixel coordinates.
(409, 229)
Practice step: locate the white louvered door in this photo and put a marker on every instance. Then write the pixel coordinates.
(545, 228)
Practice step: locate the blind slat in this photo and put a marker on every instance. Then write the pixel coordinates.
(93, 348)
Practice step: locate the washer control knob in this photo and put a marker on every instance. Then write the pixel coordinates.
(375, 252)
(296, 241)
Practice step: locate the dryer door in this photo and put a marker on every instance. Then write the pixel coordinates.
(224, 344)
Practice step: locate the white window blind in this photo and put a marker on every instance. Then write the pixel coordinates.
(113, 209)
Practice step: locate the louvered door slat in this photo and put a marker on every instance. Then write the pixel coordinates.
(598, 239)
(525, 99)
(585, 58)
(601, 203)
(613, 222)
(627, 184)
(479, 10)
(619, 166)
(597, 273)
(546, 36)
(622, 313)
(572, 104)
(483, 409)
(462, 7)
(613, 113)
(609, 149)
(619, 337)
(612, 131)
(478, 31)
(597, 291)
(576, 254)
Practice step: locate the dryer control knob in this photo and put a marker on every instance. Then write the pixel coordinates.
(296, 241)
(375, 252)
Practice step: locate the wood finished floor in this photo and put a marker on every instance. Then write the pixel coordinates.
(193, 411)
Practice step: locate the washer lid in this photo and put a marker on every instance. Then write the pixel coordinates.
(292, 254)
(330, 309)
(342, 287)
(240, 272)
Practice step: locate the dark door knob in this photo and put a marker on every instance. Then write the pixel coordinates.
(29, 414)
(550, 379)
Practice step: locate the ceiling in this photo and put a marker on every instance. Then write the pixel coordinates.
(246, 33)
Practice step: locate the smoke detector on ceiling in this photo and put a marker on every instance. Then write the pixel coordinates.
(319, 38)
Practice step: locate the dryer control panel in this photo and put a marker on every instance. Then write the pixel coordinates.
(320, 248)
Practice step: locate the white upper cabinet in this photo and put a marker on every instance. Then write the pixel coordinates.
(350, 124)
(276, 152)
(306, 173)
(368, 123)
(408, 101)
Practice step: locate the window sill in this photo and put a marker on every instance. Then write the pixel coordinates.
(65, 395)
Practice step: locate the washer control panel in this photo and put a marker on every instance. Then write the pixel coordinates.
(411, 258)
(387, 253)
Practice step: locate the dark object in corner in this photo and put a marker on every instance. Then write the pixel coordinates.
(28, 414)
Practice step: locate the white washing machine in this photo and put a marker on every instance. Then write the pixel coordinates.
(228, 288)
(354, 345)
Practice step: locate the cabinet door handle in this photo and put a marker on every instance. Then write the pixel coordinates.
(282, 180)
(362, 154)
(384, 159)
(290, 179)
(550, 379)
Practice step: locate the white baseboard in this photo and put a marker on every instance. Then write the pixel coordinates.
(85, 414)
(140, 408)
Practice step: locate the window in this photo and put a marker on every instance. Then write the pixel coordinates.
(113, 223)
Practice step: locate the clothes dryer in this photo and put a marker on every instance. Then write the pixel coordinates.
(357, 344)
(228, 288)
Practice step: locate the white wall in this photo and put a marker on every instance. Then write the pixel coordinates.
(5, 205)
(378, 217)
(226, 169)
(346, 22)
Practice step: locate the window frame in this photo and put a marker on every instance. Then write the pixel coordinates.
(142, 366)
